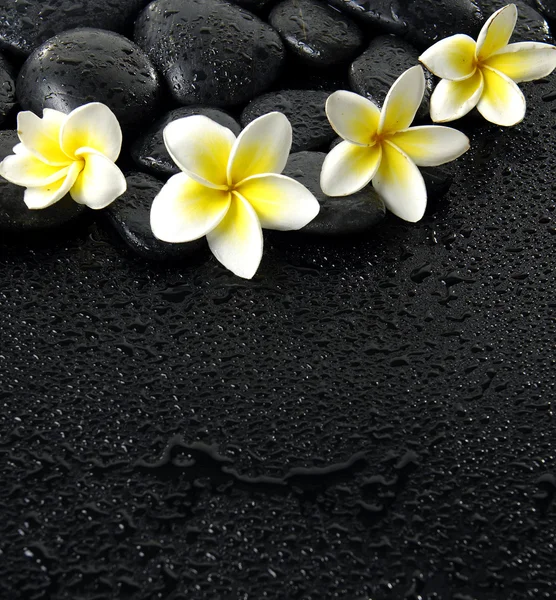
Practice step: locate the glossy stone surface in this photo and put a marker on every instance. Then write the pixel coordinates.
(345, 216)
(149, 151)
(130, 217)
(91, 65)
(7, 89)
(531, 25)
(304, 109)
(316, 33)
(373, 72)
(25, 24)
(547, 8)
(209, 51)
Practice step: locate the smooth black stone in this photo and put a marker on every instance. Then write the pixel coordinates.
(209, 51)
(338, 216)
(387, 57)
(26, 24)
(7, 89)
(130, 216)
(304, 109)
(531, 25)
(547, 8)
(91, 65)
(316, 33)
(254, 5)
(15, 217)
(422, 22)
(149, 151)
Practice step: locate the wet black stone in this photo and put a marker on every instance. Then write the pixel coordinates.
(338, 216)
(7, 89)
(149, 151)
(25, 24)
(547, 8)
(91, 65)
(437, 180)
(209, 51)
(387, 57)
(16, 218)
(316, 33)
(130, 216)
(531, 25)
(304, 109)
(254, 5)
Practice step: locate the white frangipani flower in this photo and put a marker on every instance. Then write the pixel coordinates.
(230, 188)
(380, 145)
(72, 153)
(485, 73)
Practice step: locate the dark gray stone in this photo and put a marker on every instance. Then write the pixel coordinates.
(91, 65)
(531, 25)
(316, 33)
(149, 151)
(130, 217)
(547, 8)
(15, 217)
(338, 216)
(304, 109)
(209, 51)
(7, 89)
(25, 24)
(387, 57)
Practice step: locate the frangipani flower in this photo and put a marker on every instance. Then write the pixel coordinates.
(380, 146)
(230, 188)
(485, 73)
(72, 153)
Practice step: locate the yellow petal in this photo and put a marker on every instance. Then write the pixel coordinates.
(25, 169)
(93, 126)
(42, 136)
(431, 145)
(496, 32)
(237, 241)
(400, 184)
(185, 210)
(99, 183)
(452, 58)
(402, 101)
(453, 99)
(262, 147)
(279, 201)
(201, 148)
(502, 101)
(348, 168)
(353, 117)
(524, 61)
(42, 197)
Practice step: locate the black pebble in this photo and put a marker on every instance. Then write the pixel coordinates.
(387, 57)
(304, 109)
(531, 26)
(316, 33)
(149, 151)
(209, 51)
(7, 89)
(130, 217)
(547, 8)
(15, 217)
(338, 216)
(91, 65)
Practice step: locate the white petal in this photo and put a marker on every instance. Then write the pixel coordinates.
(496, 32)
(431, 145)
(201, 148)
(502, 102)
(524, 61)
(25, 169)
(185, 210)
(402, 101)
(452, 58)
(348, 168)
(279, 201)
(94, 126)
(400, 184)
(237, 241)
(42, 136)
(42, 197)
(100, 182)
(453, 99)
(262, 147)
(353, 117)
